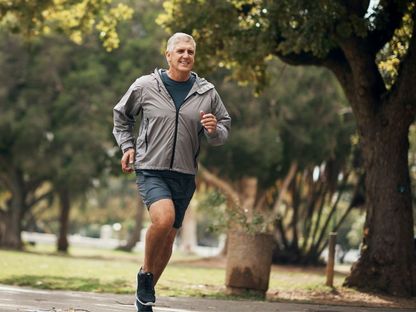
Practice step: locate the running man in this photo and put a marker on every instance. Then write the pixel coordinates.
(177, 108)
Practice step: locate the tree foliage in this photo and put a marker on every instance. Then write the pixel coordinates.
(75, 19)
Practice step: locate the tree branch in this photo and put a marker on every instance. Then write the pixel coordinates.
(300, 59)
(222, 185)
(353, 203)
(363, 83)
(332, 211)
(279, 225)
(357, 7)
(390, 18)
(39, 199)
(318, 195)
(286, 182)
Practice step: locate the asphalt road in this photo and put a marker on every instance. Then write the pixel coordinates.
(34, 300)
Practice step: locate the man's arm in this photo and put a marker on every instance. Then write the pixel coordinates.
(124, 114)
(217, 125)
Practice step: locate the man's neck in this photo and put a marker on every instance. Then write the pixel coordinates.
(178, 76)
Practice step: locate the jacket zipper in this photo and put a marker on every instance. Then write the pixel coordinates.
(174, 138)
(176, 130)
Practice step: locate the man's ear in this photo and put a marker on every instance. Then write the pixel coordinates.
(167, 55)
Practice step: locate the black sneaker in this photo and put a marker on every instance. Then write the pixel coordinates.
(145, 293)
(142, 308)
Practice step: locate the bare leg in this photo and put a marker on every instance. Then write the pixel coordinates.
(162, 216)
(164, 255)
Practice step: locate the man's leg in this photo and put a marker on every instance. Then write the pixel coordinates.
(162, 216)
(164, 255)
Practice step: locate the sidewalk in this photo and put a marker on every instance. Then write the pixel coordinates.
(33, 300)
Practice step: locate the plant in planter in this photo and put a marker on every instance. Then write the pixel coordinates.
(249, 258)
(250, 243)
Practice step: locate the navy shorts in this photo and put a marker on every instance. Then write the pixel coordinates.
(155, 185)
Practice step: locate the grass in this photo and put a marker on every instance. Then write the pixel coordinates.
(114, 271)
(99, 270)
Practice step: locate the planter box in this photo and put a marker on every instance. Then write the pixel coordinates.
(249, 259)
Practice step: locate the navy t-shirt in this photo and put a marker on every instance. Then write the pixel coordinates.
(178, 90)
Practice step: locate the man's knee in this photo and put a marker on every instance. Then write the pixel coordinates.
(162, 214)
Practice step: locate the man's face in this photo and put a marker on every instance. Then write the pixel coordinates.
(182, 57)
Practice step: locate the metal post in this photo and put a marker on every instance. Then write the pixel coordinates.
(331, 259)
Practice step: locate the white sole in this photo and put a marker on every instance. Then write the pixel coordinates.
(137, 308)
(146, 303)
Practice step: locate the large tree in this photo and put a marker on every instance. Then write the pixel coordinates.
(350, 39)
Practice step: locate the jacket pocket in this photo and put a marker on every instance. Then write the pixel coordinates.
(145, 134)
(199, 148)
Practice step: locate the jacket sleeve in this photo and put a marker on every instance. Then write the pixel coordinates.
(124, 114)
(223, 122)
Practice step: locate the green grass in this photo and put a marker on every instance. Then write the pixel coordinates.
(111, 271)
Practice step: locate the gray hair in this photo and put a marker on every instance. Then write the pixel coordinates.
(178, 37)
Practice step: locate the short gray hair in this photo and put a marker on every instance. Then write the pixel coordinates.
(178, 37)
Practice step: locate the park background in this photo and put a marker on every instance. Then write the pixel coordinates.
(294, 166)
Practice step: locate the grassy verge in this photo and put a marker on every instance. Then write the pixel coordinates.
(100, 270)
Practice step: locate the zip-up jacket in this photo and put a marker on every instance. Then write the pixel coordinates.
(169, 138)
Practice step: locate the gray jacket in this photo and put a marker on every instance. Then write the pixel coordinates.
(168, 139)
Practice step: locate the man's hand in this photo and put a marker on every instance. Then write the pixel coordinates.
(209, 122)
(127, 161)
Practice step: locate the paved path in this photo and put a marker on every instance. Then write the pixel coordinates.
(33, 300)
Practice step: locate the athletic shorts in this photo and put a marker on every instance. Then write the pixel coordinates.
(154, 186)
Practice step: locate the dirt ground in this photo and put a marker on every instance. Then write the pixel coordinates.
(338, 295)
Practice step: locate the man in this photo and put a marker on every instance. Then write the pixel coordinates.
(177, 108)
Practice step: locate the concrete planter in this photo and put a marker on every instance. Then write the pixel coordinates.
(249, 259)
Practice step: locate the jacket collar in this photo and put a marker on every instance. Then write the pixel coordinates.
(200, 86)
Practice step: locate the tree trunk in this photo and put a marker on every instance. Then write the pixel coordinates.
(64, 199)
(188, 231)
(387, 261)
(11, 227)
(135, 236)
(12, 224)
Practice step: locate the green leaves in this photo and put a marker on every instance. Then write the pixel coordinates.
(76, 19)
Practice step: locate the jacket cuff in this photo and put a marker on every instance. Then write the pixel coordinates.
(126, 146)
(212, 135)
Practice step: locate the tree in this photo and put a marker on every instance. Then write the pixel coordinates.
(75, 19)
(347, 38)
(23, 125)
(44, 146)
